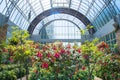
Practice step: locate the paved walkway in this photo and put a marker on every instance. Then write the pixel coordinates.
(96, 78)
(24, 78)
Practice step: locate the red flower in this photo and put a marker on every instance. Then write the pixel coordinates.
(54, 48)
(56, 55)
(68, 52)
(102, 45)
(105, 74)
(113, 75)
(35, 71)
(37, 46)
(52, 60)
(45, 65)
(4, 50)
(32, 58)
(79, 50)
(44, 48)
(68, 46)
(101, 61)
(83, 68)
(62, 51)
(105, 63)
(11, 53)
(11, 60)
(85, 56)
(48, 55)
(39, 54)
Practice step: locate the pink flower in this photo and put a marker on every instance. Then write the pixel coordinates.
(56, 55)
(39, 54)
(45, 65)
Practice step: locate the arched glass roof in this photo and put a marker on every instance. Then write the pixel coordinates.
(22, 12)
(58, 17)
(90, 8)
(60, 29)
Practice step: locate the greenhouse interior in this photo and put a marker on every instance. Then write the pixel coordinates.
(59, 39)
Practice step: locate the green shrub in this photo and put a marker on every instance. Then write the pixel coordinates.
(8, 75)
(8, 67)
(19, 73)
(11, 72)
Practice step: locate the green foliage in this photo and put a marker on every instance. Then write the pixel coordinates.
(7, 75)
(19, 45)
(8, 66)
(4, 56)
(18, 36)
(88, 27)
(91, 55)
(11, 72)
(109, 67)
(82, 75)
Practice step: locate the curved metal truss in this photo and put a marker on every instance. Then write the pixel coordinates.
(49, 12)
(45, 25)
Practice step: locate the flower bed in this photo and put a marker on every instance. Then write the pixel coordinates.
(54, 61)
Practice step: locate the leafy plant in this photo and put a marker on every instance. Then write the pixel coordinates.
(90, 56)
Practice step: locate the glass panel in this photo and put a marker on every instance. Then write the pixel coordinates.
(62, 29)
(2, 6)
(46, 4)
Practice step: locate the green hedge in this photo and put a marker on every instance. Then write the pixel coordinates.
(11, 72)
(8, 67)
(8, 75)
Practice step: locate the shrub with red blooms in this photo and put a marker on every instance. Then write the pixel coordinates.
(109, 64)
(71, 63)
(102, 46)
(57, 59)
